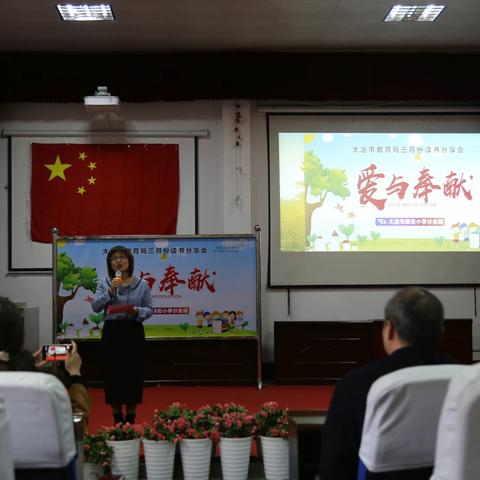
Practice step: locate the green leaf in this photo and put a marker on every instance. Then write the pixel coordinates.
(347, 230)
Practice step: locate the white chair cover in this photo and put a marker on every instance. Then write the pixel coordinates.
(40, 417)
(6, 459)
(401, 418)
(457, 454)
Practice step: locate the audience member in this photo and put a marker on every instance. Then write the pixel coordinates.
(14, 358)
(412, 327)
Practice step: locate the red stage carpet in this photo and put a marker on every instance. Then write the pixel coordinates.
(295, 397)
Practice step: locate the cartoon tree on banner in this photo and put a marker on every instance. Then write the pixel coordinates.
(70, 278)
(319, 182)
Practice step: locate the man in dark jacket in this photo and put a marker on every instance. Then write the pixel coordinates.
(411, 329)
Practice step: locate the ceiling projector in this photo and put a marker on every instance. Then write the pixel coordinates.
(101, 98)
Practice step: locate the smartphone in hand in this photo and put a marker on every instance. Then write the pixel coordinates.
(55, 352)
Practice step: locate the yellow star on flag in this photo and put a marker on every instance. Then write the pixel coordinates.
(92, 165)
(92, 180)
(82, 156)
(81, 190)
(57, 169)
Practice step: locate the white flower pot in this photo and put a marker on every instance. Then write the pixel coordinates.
(196, 456)
(275, 458)
(235, 457)
(125, 458)
(159, 459)
(91, 471)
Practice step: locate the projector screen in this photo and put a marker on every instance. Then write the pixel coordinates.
(374, 199)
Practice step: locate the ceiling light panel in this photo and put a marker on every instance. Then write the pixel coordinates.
(414, 13)
(86, 13)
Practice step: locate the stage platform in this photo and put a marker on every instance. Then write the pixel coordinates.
(315, 398)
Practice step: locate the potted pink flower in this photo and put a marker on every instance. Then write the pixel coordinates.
(237, 429)
(122, 431)
(273, 431)
(217, 409)
(124, 438)
(199, 430)
(238, 425)
(203, 423)
(234, 408)
(174, 411)
(163, 427)
(97, 455)
(272, 420)
(159, 438)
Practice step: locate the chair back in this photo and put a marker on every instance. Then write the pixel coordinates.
(6, 460)
(401, 420)
(40, 417)
(457, 454)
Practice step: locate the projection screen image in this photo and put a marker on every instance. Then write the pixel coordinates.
(377, 192)
(377, 198)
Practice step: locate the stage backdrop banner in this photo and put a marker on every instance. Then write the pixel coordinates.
(104, 189)
(202, 286)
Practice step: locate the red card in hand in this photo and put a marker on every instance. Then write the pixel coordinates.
(125, 308)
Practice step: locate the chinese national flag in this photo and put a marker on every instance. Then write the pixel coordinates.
(104, 189)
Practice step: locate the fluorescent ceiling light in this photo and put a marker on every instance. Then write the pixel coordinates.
(86, 13)
(414, 13)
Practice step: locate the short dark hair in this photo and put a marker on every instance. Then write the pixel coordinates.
(11, 339)
(11, 327)
(123, 250)
(417, 316)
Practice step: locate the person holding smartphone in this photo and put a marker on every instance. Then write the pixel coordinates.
(14, 358)
(56, 352)
(126, 302)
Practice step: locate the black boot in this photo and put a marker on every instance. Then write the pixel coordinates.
(118, 418)
(130, 418)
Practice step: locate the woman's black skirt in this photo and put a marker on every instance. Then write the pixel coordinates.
(123, 344)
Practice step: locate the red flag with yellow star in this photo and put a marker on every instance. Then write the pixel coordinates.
(104, 189)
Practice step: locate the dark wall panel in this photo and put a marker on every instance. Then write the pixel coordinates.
(322, 352)
(315, 76)
(188, 362)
